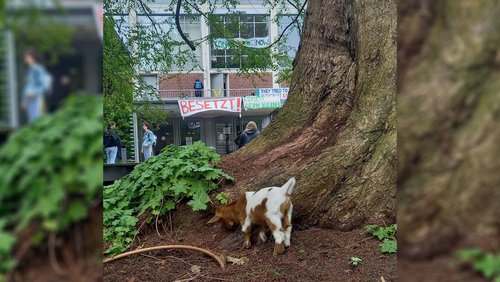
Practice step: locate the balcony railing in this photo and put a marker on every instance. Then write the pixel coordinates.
(206, 93)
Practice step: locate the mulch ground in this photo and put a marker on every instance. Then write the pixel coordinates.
(440, 269)
(78, 255)
(315, 255)
(447, 267)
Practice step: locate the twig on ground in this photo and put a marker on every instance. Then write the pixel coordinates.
(361, 241)
(188, 279)
(179, 260)
(215, 278)
(165, 247)
(144, 255)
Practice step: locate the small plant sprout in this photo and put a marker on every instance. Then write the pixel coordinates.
(356, 261)
(222, 197)
(385, 234)
(488, 264)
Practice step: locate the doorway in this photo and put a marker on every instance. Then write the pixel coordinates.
(225, 136)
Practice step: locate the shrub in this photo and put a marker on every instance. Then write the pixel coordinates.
(155, 187)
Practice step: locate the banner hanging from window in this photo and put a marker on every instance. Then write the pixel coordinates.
(263, 102)
(254, 42)
(282, 93)
(192, 107)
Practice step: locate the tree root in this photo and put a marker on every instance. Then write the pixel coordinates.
(165, 247)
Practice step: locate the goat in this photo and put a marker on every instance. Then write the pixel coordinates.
(271, 207)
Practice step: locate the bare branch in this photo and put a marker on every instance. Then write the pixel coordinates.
(178, 24)
(294, 20)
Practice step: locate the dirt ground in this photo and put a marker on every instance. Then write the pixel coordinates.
(447, 267)
(78, 254)
(315, 255)
(440, 269)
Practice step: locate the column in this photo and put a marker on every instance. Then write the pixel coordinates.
(205, 52)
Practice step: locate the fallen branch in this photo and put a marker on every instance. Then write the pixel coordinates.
(165, 247)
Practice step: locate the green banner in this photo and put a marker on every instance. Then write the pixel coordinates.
(255, 102)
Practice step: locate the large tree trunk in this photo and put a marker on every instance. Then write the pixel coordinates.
(337, 130)
(448, 112)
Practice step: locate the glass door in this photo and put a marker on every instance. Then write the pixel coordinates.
(190, 132)
(225, 136)
(165, 136)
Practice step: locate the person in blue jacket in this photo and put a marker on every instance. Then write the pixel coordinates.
(34, 88)
(198, 88)
(147, 141)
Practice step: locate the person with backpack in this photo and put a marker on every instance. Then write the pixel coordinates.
(148, 141)
(247, 135)
(198, 88)
(112, 144)
(38, 83)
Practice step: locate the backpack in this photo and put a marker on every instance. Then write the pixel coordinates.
(47, 81)
(198, 85)
(154, 140)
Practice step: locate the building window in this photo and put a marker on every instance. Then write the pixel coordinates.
(151, 81)
(251, 30)
(168, 41)
(292, 40)
(190, 132)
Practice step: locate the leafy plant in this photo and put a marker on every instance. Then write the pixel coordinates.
(154, 188)
(222, 197)
(51, 172)
(485, 263)
(355, 260)
(387, 235)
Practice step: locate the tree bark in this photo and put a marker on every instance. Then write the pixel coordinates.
(448, 133)
(337, 130)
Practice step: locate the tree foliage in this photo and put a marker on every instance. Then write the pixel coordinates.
(122, 85)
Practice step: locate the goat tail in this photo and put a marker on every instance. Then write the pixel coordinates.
(289, 185)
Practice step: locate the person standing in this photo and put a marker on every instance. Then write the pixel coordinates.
(198, 88)
(112, 143)
(248, 134)
(147, 141)
(37, 83)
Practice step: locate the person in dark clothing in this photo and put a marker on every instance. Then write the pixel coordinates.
(247, 135)
(198, 88)
(112, 144)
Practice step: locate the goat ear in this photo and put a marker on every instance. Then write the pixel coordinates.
(214, 220)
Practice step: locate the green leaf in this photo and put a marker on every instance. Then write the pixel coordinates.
(488, 265)
(356, 260)
(389, 246)
(468, 254)
(76, 211)
(371, 228)
(7, 241)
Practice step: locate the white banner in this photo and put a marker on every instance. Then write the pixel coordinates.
(282, 93)
(191, 107)
(255, 42)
